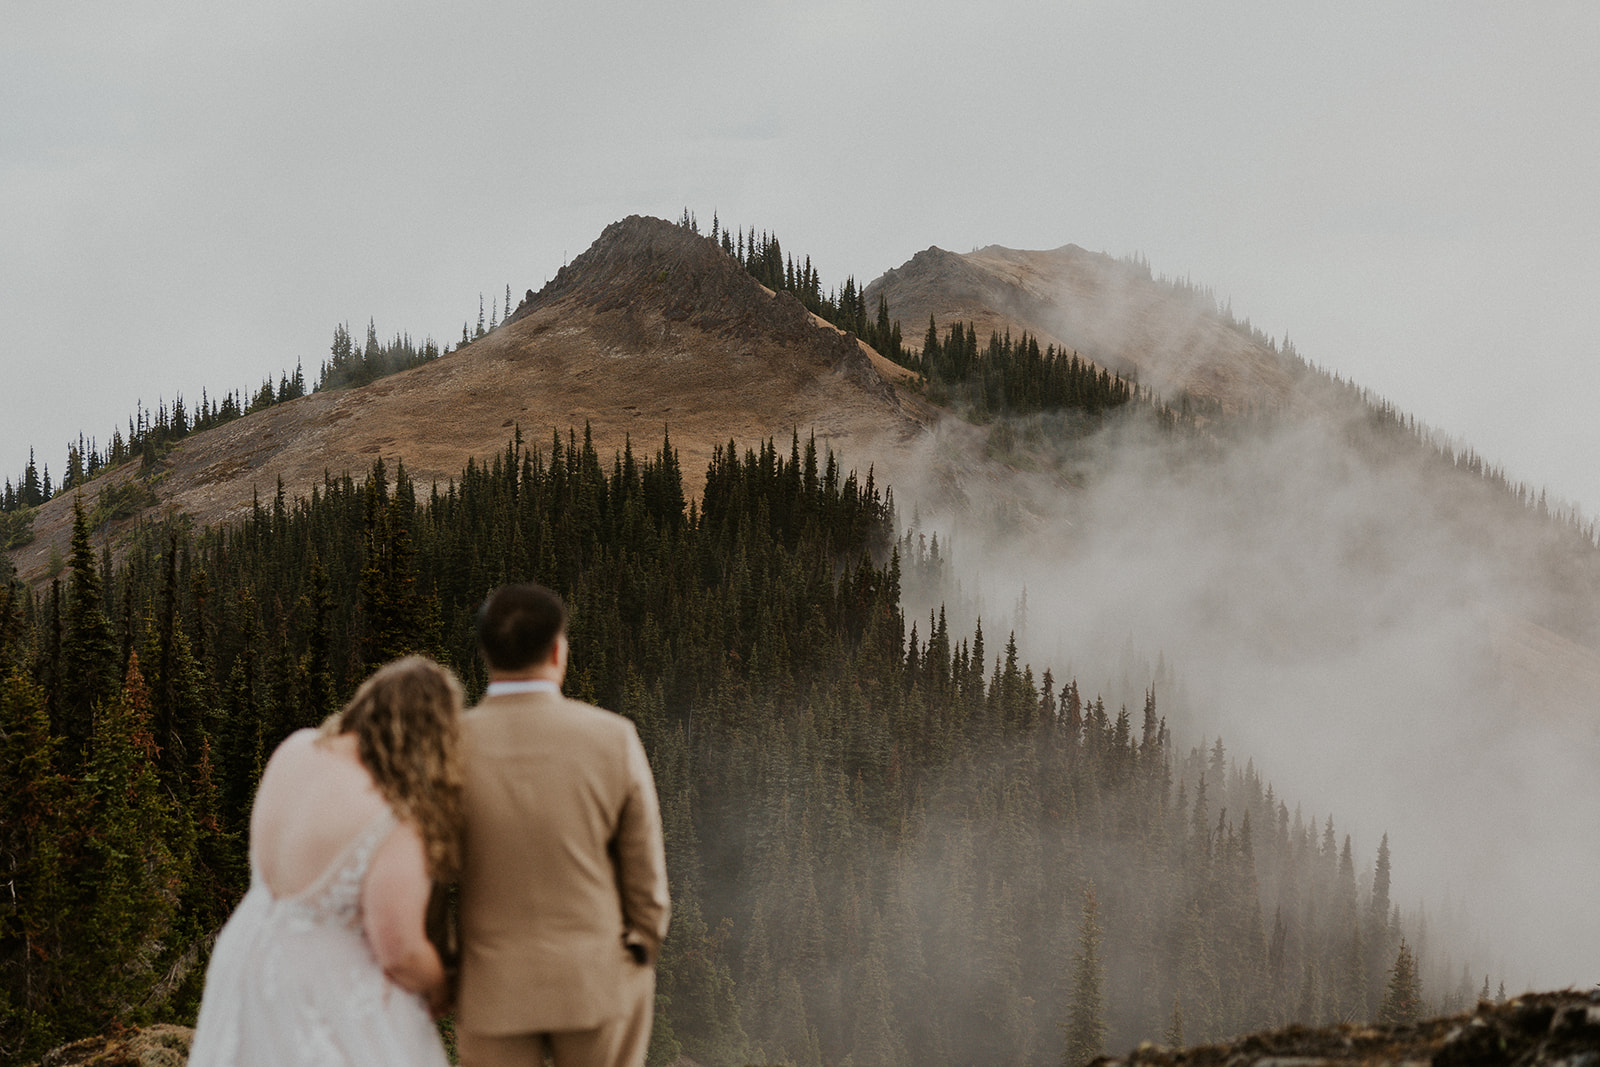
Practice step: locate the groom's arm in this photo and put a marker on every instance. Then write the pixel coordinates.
(641, 857)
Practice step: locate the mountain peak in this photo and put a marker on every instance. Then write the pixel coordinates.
(640, 260)
(648, 265)
(1107, 310)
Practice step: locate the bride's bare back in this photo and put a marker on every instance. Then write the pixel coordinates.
(315, 797)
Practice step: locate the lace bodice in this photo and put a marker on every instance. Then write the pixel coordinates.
(334, 896)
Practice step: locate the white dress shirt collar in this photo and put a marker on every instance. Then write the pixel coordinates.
(535, 685)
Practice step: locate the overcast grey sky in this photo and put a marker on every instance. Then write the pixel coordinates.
(193, 195)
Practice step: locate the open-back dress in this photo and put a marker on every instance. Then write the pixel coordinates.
(293, 981)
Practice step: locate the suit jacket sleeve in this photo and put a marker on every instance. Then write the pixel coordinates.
(641, 855)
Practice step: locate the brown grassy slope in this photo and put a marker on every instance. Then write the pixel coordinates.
(1102, 308)
(651, 329)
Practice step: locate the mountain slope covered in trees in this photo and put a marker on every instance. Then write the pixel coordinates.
(864, 817)
(911, 816)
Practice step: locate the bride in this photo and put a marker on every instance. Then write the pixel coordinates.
(325, 961)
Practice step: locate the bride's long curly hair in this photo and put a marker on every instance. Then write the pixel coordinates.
(407, 722)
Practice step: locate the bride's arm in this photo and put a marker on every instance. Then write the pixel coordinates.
(395, 902)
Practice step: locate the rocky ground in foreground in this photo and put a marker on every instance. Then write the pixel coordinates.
(153, 1046)
(1534, 1030)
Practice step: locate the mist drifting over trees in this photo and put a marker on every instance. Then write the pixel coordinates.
(1099, 717)
(866, 814)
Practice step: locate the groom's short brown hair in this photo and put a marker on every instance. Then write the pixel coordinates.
(518, 626)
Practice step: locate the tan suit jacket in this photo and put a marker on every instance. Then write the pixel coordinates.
(562, 864)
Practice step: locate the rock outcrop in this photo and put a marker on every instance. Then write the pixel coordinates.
(1534, 1030)
(152, 1046)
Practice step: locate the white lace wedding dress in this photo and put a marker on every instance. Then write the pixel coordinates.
(293, 981)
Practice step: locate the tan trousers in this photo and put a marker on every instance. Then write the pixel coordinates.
(619, 1042)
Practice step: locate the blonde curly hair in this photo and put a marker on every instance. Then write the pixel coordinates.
(406, 719)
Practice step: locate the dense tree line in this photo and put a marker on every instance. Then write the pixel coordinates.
(151, 433)
(887, 844)
(1008, 377)
(349, 364)
(762, 256)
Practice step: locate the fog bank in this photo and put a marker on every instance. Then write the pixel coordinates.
(1362, 629)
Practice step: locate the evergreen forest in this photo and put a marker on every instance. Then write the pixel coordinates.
(889, 842)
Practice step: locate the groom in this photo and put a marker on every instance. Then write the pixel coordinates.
(563, 900)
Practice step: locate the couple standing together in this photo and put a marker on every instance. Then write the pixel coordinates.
(542, 807)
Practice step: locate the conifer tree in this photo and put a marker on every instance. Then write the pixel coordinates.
(33, 493)
(875, 1039)
(176, 689)
(216, 870)
(135, 862)
(1402, 1000)
(398, 618)
(87, 646)
(242, 741)
(37, 828)
(1086, 1023)
(1377, 933)
(1173, 1037)
(1352, 978)
(1198, 982)
(317, 607)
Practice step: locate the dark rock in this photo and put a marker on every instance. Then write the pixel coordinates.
(1536, 1030)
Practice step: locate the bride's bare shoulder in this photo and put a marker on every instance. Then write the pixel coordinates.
(311, 745)
(296, 743)
(310, 761)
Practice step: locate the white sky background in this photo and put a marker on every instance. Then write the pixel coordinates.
(194, 195)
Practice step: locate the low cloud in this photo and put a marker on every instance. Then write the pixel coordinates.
(1363, 628)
